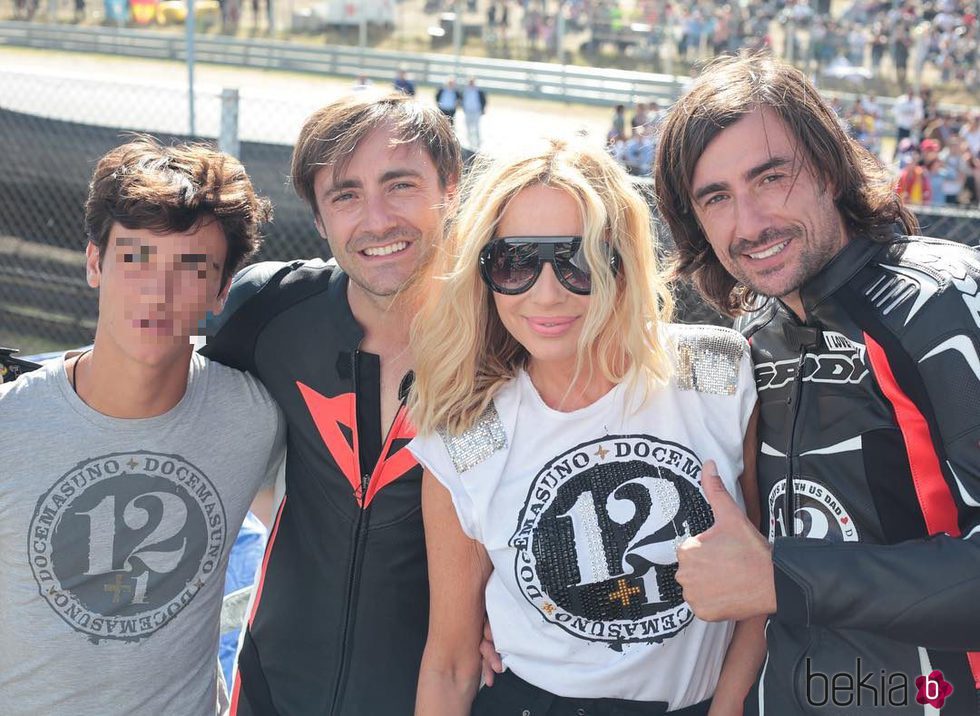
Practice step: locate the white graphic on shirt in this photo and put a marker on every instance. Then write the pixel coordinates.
(835, 341)
(597, 538)
(970, 292)
(123, 542)
(818, 513)
(849, 445)
(908, 281)
(841, 361)
(890, 291)
(963, 344)
(768, 449)
(967, 498)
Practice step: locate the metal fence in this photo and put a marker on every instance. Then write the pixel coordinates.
(52, 132)
(540, 80)
(537, 80)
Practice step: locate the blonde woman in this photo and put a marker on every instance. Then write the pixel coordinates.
(563, 425)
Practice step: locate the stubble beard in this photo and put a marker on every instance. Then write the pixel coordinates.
(387, 293)
(814, 255)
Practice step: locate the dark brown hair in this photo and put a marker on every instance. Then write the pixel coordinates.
(145, 185)
(728, 90)
(331, 134)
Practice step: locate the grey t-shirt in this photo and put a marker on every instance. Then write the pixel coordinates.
(114, 537)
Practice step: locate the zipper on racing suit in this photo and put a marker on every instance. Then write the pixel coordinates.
(360, 530)
(802, 338)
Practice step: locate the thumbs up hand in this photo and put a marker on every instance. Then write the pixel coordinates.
(723, 505)
(726, 571)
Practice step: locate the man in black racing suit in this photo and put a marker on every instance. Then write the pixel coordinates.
(867, 363)
(11, 366)
(339, 619)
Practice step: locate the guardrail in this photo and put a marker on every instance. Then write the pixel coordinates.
(538, 80)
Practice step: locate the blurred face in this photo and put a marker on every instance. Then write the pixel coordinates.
(380, 215)
(154, 289)
(546, 319)
(770, 221)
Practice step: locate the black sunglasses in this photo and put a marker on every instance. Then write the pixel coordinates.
(511, 264)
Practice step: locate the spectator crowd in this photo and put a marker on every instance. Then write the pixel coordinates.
(900, 37)
(937, 153)
(934, 153)
(910, 36)
(636, 148)
(904, 36)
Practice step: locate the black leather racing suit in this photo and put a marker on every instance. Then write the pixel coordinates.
(340, 619)
(873, 406)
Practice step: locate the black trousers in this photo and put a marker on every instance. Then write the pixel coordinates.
(510, 695)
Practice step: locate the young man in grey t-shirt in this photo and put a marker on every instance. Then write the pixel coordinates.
(126, 470)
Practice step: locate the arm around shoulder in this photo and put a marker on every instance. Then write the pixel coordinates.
(748, 646)
(921, 591)
(458, 571)
(742, 662)
(229, 332)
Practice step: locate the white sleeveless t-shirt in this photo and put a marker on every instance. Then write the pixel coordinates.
(581, 514)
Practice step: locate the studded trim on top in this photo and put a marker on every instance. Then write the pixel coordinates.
(708, 359)
(478, 443)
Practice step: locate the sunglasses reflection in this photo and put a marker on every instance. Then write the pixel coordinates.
(512, 264)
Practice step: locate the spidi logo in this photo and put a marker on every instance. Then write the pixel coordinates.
(876, 689)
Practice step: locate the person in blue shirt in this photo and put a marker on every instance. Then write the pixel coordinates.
(243, 563)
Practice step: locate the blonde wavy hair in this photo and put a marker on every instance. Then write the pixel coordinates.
(463, 353)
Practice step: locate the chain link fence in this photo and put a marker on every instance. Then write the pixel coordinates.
(54, 129)
(952, 224)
